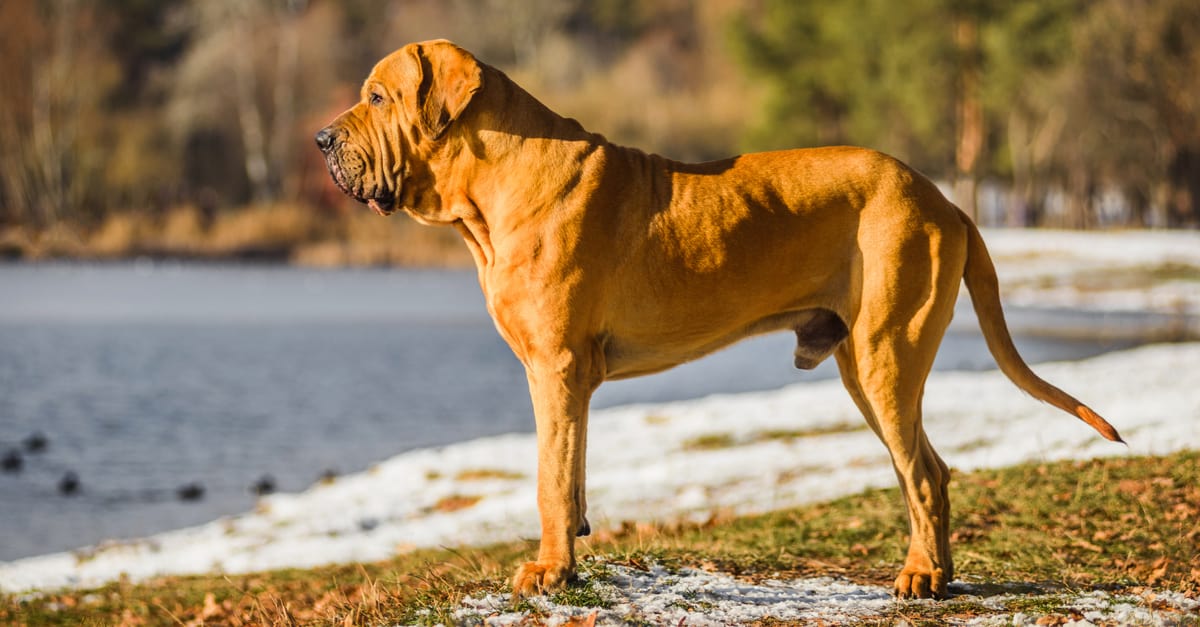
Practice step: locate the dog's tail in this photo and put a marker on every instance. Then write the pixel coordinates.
(980, 276)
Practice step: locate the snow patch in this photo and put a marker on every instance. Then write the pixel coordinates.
(698, 598)
(694, 597)
(1106, 271)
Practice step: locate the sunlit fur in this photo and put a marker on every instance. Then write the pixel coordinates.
(601, 262)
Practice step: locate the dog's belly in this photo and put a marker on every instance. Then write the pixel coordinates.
(635, 354)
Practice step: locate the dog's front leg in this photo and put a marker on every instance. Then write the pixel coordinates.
(561, 389)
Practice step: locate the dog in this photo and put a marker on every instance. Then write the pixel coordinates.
(603, 262)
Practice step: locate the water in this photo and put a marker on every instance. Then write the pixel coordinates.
(149, 377)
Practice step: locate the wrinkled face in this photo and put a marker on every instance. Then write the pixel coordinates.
(375, 149)
(365, 150)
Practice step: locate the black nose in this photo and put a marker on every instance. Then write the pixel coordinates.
(324, 139)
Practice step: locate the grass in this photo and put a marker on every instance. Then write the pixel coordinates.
(1130, 277)
(709, 442)
(715, 441)
(455, 502)
(294, 233)
(1138, 276)
(485, 474)
(788, 435)
(1108, 524)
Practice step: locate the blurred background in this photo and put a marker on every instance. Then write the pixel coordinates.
(151, 378)
(183, 127)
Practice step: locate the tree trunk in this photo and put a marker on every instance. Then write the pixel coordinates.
(1081, 191)
(250, 118)
(284, 120)
(1139, 203)
(1183, 184)
(1022, 171)
(968, 116)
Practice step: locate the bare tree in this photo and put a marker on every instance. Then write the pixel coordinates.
(1133, 105)
(257, 43)
(56, 70)
(968, 113)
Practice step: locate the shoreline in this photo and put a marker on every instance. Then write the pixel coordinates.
(687, 460)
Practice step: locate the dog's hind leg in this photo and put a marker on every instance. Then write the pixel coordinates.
(884, 364)
(922, 474)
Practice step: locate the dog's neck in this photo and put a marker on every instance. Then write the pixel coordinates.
(506, 136)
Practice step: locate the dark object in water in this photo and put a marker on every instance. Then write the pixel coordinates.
(329, 475)
(12, 461)
(36, 442)
(190, 492)
(265, 485)
(69, 484)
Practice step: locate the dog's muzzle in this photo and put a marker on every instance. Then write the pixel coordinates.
(347, 175)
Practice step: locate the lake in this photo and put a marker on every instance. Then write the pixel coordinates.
(149, 377)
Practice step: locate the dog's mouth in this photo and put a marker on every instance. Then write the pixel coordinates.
(385, 206)
(379, 201)
(338, 174)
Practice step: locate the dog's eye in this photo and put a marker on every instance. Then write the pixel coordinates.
(376, 99)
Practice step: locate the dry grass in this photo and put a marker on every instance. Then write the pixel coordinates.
(787, 435)
(57, 241)
(713, 441)
(634, 103)
(182, 231)
(291, 233)
(118, 236)
(485, 474)
(15, 243)
(362, 238)
(455, 502)
(710, 442)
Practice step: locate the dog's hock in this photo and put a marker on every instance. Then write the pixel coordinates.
(817, 338)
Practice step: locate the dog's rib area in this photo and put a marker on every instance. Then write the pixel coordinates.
(818, 332)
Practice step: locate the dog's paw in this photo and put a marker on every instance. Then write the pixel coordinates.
(921, 584)
(534, 578)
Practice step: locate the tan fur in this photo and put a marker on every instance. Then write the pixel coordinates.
(602, 262)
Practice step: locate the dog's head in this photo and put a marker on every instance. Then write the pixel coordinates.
(379, 151)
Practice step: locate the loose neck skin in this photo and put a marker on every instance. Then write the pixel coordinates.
(505, 141)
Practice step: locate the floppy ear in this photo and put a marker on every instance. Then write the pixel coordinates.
(447, 78)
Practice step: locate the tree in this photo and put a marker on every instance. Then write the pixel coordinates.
(1026, 47)
(1133, 105)
(240, 89)
(936, 83)
(853, 72)
(57, 72)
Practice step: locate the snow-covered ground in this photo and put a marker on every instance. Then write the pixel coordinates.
(740, 453)
(697, 598)
(1115, 271)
